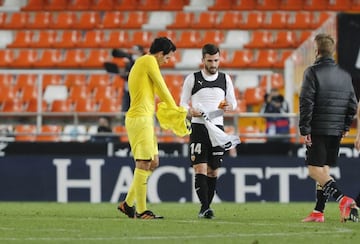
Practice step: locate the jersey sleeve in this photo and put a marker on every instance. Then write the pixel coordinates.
(185, 97)
(230, 93)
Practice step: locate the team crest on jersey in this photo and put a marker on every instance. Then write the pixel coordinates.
(192, 158)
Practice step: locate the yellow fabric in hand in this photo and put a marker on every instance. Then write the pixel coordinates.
(173, 118)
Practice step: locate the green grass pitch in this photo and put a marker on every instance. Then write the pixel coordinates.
(30, 222)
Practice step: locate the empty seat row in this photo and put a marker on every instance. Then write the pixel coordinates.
(292, 5)
(177, 20)
(104, 5)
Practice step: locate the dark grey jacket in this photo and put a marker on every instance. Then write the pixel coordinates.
(327, 99)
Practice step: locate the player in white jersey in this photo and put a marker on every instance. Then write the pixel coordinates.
(206, 90)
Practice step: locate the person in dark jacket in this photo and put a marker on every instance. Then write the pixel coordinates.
(327, 107)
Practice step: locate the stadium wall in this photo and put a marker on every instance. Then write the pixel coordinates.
(68, 172)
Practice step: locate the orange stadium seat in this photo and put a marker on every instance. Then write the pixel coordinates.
(292, 5)
(339, 5)
(285, 39)
(44, 39)
(277, 20)
(93, 39)
(260, 39)
(49, 58)
(28, 92)
(253, 20)
(126, 5)
(205, 20)
(32, 106)
(240, 59)
(318, 20)
(135, 19)
(182, 20)
(112, 19)
(73, 58)
(120, 130)
(76, 5)
(355, 5)
(109, 105)
(77, 92)
(100, 92)
(265, 58)
(254, 95)
(56, 5)
(300, 20)
(171, 34)
(61, 106)
(143, 38)
(304, 35)
(34, 5)
(85, 105)
(17, 21)
(25, 132)
(49, 133)
(26, 58)
(279, 64)
(26, 80)
(244, 5)
(315, 5)
(103, 5)
(268, 4)
(75, 80)
(275, 80)
(149, 5)
(118, 39)
(174, 80)
(173, 5)
(189, 39)
(89, 20)
(3, 17)
(230, 20)
(6, 80)
(213, 36)
(96, 80)
(69, 39)
(13, 106)
(7, 56)
(22, 39)
(8, 93)
(96, 58)
(65, 20)
(40, 20)
(220, 5)
(51, 79)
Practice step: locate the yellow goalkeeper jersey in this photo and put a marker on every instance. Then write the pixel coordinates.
(145, 81)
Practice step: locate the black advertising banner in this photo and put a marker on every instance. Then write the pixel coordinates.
(348, 46)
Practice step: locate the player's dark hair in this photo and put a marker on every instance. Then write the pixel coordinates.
(210, 49)
(163, 44)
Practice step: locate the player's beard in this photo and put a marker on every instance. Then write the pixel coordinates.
(211, 70)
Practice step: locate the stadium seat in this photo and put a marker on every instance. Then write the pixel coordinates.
(251, 134)
(230, 20)
(61, 106)
(7, 80)
(74, 79)
(89, 20)
(120, 130)
(304, 35)
(254, 95)
(65, 20)
(96, 58)
(174, 80)
(26, 80)
(77, 92)
(135, 19)
(40, 20)
(126, 5)
(182, 20)
(3, 17)
(107, 91)
(22, 39)
(143, 38)
(118, 39)
(319, 19)
(244, 5)
(7, 57)
(292, 5)
(34, 5)
(26, 58)
(315, 5)
(32, 106)
(205, 20)
(171, 34)
(189, 39)
(173, 5)
(103, 5)
(265, 58)
(221, 5)
(8, 93)
(85, 105)
(93, 39)
(49, 58)
(51, 79)
(109, 105)
(285, 39)
(268, 5)
(68, 39)
(13, 106)
(27, 92)
(213, 36)
(56, 5)
(149, 5)
(79, 5)
(253, 20)
(74, 133)
(49, 133)
(112, 20)
(300, 20)
(44, 39)
(73, 58)
(96, 80)
(235, 39)
(25, 132)
(17, 21)
(275, 80)
(240, 59)
(279, 64)
(339, 5)
(244, 81)
(277, 20)
(260, 39)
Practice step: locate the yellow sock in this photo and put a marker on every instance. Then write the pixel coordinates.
(130, 196)
(140, 186)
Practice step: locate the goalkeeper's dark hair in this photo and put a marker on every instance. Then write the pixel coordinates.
(163, 44)
(210, 49)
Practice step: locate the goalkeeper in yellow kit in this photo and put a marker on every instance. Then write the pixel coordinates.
(145, 80)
